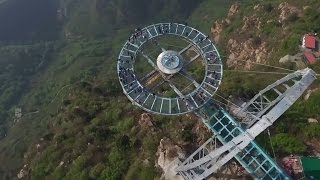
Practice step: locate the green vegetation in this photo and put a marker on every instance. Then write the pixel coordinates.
(64, 71)
(62, 74)
(292, 131)
(285, 143)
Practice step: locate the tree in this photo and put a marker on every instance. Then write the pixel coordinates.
(123, 143)
(118, 165)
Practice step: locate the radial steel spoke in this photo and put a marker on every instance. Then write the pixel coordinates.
(186, 48)
(151, 80)
(148, 75)
(162, 49)
(189, 77)
(175, 88)
(187, 87)
(158, 44)
(193, 59)
(159, 84)
(150, 61)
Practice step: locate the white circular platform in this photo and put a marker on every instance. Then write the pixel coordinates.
(173, 64)
(170, 62)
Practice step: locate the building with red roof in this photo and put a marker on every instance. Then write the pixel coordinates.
(310, 57)
(309, 41)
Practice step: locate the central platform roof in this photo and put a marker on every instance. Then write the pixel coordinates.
(170, 62)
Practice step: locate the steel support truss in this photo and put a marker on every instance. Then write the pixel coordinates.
(263, 110)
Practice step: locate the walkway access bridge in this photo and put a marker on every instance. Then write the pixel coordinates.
(174, 69)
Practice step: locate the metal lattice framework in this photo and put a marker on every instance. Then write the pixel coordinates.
(269, 97)
(145, 98)
(231, 140)
(239, 142)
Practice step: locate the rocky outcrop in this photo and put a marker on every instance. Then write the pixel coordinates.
(145, 121)
(217, 29)
(251, 22)
(257, 7)
(201, 132)
(289, 59)
(23, 172)
(242, 54)
(287, 11)
(309, 92)
(220, 25)
(234, 9)
(243, 51)
(297, 59)
(249, 49)
(311, 120)
(168, 154)
(145, 126)
(61, 164)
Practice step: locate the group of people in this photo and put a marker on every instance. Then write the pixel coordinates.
(137, 34)
(145, 94)
(126, 75)
(201, 39)
(162, 29)
(125, 61)
(203, 96)
(213, 75)
(212, 58)
(212, 82)
(189, 104)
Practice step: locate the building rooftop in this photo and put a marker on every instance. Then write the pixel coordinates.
(310, 57)
(309, 41)
(311, 167)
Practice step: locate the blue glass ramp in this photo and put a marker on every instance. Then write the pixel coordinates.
(253, 158)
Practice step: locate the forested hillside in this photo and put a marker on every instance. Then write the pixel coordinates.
(57, 63)
(49, 49)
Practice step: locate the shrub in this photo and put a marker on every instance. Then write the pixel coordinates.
(147, 173)
(96, 171)
(312, 131)
(58, 173)
(293, 17)
(150, 145)
(77, 170)
(118, 164)
(268, 7)
(123, 143)
(256, 41)
(125, 124)
(285, 143)
(187, 135)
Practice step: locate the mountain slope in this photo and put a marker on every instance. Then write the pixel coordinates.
(37, 76)
(76, 122)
